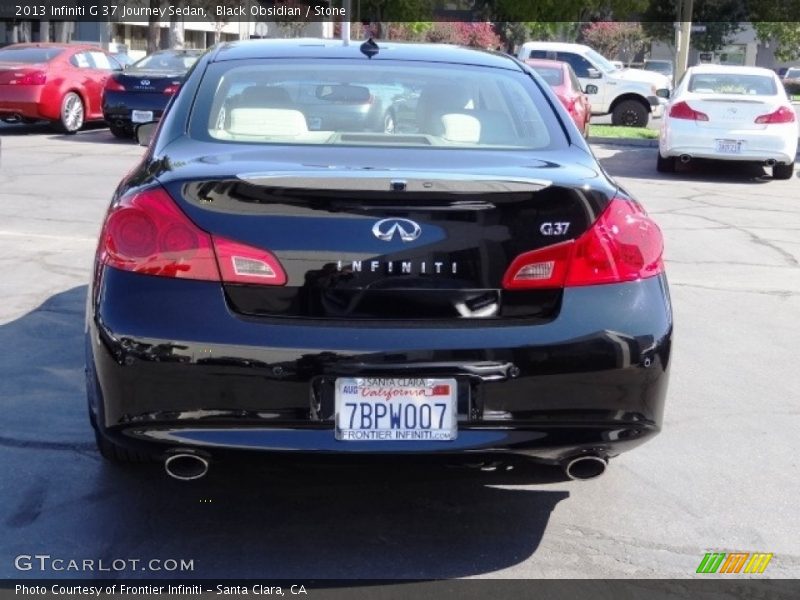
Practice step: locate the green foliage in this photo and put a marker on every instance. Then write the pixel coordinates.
(659, 17)
(785, 35)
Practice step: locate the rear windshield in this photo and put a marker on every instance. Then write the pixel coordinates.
(29, 55)
(793, 73)
(166, 61)
(732, 83)
(550, 75)
(382, 103)
(660, 67)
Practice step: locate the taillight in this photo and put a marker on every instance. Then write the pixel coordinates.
(784, 114)
(172, 88)
(681, 110)
(113, 85)
(29, 78)
(623, 244)
(147, 233)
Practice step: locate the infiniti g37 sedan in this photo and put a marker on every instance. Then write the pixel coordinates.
(474, 283)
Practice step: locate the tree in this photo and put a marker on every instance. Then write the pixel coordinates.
(616, 39)
(784, 35)
(153, 30)
(659, 17)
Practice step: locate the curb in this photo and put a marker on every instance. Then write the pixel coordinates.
(609, 141)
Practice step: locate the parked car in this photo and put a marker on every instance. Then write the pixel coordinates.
(791, 81)
(630, 95)
(61, 83)
(480, 285)
(561, 77)
(665, 67)
(730, 113)
(141, 92)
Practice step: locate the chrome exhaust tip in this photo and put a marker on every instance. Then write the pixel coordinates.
(185, 466)
(685, 158)
(583, 468)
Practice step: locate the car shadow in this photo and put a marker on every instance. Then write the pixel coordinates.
(96, 132)
(252, 516)
(640, 163)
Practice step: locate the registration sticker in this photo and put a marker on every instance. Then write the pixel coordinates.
(396, 409)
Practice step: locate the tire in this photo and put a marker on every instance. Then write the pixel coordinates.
(630, 113)
(781, 171)
(113, 452)
(72, 115)
(119, 132)
(665, 165)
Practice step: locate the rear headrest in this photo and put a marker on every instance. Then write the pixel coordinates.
(462, 128)
(267, 122)
(264, 96)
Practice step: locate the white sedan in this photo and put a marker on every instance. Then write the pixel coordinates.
(729, 113)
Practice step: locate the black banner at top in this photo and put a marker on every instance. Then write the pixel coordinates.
(217, 11)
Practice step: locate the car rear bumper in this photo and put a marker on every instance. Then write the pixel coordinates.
(21, 100)
(118, 106)
(778, 143)
(170, 365)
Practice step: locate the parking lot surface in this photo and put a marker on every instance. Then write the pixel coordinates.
(720, 477)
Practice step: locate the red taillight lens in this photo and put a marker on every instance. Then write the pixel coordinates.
(624, 244)
(681, 110)
(29, 78)
(172, 89)
(113, 85)
(147, 233)
(785, 114)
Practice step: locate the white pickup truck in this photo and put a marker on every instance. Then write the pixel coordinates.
(630, 95)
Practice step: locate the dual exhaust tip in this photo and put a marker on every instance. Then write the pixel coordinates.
(188, 466)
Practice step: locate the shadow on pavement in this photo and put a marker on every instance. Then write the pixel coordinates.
(640, 163)
(260, 517)
(96, 132)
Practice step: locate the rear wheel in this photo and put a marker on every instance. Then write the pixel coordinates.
(630, 113)
(72, 113)
(781, 171)
(665, 165)
(119, 132)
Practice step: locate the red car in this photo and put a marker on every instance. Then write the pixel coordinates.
(62, 83)
(560, 76)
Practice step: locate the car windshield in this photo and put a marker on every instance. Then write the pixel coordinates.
(601, 61)
(166, 61)
(391, 104)
(732, 83)
(793, 73)
(659, 67)
(29, 55)
(553, 76)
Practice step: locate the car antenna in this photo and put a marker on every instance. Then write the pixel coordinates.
(369, 48)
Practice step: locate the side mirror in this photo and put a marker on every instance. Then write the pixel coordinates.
(593, 73)
(663, 93)
(145, 132)
(590, 89)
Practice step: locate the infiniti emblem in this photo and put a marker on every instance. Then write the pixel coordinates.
(385, 229)
(145, 82)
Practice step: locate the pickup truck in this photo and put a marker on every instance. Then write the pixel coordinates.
(631, 96)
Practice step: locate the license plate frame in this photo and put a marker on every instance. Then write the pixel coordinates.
(141, 116)
(428, 404)
(727, 146)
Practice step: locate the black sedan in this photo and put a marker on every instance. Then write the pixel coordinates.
(141, 92)
(478, 285)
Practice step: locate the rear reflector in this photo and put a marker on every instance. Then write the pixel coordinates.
(785, 114)
(681, 110)
(624, 244)
(147, 233)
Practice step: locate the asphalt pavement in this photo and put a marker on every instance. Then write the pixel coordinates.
(722, 476)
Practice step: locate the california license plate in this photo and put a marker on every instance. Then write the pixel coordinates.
(141, 116)
(391, 409)
(729, 146)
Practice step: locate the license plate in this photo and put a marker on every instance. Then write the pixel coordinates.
(395, 409)
(729, 146)
(141, 116)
